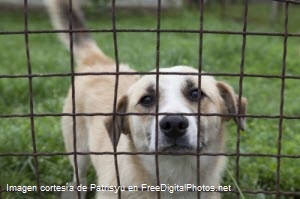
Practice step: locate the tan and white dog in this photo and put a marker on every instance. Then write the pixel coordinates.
(136, 133)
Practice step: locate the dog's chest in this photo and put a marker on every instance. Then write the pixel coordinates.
(173, 170)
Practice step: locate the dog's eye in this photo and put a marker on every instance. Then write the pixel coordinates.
(147, 100)
(194, 95)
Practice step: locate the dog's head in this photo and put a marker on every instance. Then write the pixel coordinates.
(178, 94)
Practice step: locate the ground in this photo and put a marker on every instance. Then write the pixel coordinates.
(221, 54)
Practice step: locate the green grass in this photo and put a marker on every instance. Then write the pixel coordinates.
(221, 53)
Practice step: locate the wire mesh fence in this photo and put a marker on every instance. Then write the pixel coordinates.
(277, 193)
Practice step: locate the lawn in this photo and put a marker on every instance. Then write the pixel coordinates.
(221, 54)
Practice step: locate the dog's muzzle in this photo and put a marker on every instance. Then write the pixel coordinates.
(174, 126)
(174, 130)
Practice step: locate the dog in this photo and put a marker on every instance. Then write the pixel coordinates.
(177, 131)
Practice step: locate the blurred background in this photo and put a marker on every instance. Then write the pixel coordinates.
(221, 54)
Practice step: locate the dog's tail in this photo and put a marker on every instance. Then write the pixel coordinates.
(85, 48)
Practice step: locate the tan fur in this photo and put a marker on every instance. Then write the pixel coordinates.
(94, 94)
(136, 133)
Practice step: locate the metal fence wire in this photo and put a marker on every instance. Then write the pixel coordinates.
(114, 30)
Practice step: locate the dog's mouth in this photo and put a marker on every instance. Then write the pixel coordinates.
(176, 148)
(180, 145)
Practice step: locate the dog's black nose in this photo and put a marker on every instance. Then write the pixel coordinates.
(174, 126)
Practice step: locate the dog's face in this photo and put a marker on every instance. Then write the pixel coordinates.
(178, 97)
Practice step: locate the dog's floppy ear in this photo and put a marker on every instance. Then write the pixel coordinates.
(231, 104)
(121, 122)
